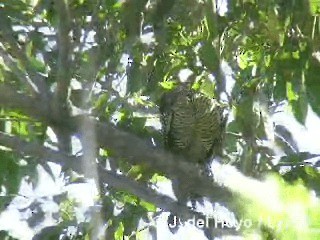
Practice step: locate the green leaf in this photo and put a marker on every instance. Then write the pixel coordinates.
(314, 7)
(10, 176)
(207, 87)
(209, 57)
(313, 86)
(168, 84)
(291, 94)
(37, 65)
(150, 207)
(309, 175)
(280, 89)
(300, 108)
(6, 235)
(295, 159)
(118, 235)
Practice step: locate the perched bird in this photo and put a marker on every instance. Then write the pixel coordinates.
(193, 127)
(192, 124)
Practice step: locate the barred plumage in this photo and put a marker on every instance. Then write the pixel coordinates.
(192, 124)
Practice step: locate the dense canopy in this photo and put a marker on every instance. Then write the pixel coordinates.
(80, 89)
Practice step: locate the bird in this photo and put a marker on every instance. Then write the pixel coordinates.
(192, 124)
(192, 127)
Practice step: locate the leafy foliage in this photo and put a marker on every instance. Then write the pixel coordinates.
(113, 60)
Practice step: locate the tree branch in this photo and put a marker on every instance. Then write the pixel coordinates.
(59, 105)
(125, 145)
(24, 80)
(64, 57)
(137, 151)
(11, 98)
(117, 181)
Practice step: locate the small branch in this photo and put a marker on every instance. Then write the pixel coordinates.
(42, 153)
(18, 53)
(24, 79)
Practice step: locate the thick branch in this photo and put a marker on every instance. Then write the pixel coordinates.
(127, 146)
(59, 105)
(64, 57)
(120, 182)
(42, 153)
(10, 98)
(138, 151)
